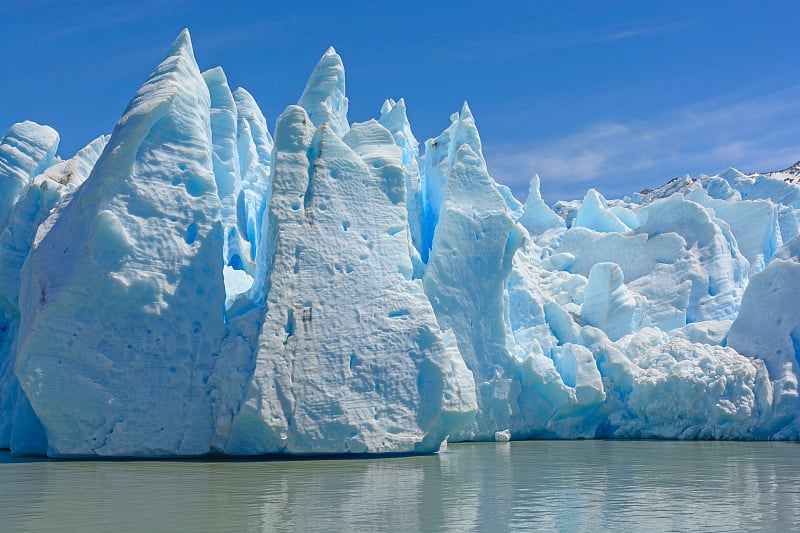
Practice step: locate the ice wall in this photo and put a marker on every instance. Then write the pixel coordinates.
(192, 286)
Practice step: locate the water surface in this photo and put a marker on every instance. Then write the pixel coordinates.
(544, 485)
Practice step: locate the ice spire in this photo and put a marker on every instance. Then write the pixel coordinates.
(538, 217)
(140, 244)
(25, 151)
(594, 214)
(255, 159)
(394, 118)
(439, 158)
(226, 156)
(464, 280)
(324, 96)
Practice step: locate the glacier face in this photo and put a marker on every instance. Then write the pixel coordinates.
(192, 285)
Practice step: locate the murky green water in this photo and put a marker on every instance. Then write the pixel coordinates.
(554, 486)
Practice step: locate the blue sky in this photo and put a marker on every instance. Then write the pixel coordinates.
(613, 95)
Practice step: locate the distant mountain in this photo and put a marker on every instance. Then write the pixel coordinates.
(789, 175)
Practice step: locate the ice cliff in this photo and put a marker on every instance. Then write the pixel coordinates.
(194, 284)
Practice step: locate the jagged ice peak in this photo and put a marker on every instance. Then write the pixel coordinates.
(193, 285)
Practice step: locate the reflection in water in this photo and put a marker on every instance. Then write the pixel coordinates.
(558, 485)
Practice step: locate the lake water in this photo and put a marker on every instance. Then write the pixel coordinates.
(542, 485)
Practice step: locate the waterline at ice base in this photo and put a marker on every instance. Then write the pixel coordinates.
(200, 283)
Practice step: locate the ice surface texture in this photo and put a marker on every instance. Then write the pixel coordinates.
(190, 285)
(122, 300)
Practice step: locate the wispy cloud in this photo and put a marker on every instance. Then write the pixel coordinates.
(754, 134)
(643, 30)
(527, 38)
(104, 17)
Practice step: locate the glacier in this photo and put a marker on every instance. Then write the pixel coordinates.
(196, 283)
